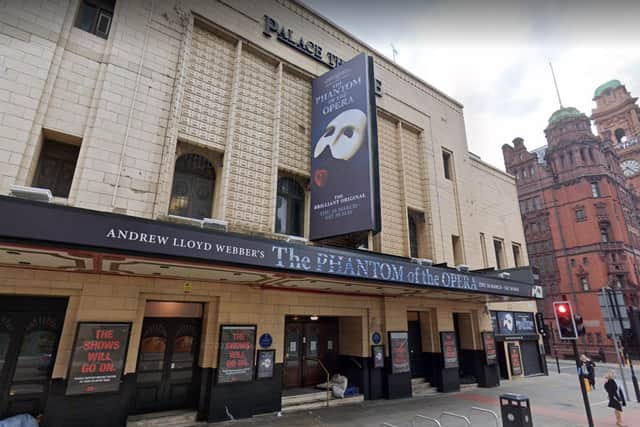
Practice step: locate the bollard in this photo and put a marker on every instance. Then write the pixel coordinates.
(516, 410)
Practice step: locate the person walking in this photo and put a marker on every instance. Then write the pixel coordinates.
(616, 397)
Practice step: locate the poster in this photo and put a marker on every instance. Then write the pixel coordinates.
(449, 349)
(514, 357)
(344, 152)
(237, 347)
(98, 357)
(377, 353)
(489, 345)
(266, 364)
(506, 323)
(524, 323)
(399, 352)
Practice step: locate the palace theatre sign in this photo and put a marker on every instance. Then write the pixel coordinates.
(66, 226)
(308, 47)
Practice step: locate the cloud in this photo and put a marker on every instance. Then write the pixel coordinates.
(493, 55)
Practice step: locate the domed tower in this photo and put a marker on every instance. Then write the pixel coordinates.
(617, 118)
(617, 115)
(573, 150)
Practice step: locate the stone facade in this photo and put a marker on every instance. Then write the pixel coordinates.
(200, 77)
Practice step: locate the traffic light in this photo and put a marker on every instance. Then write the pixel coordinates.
(579, 321)
(542, 329)
(565, 321)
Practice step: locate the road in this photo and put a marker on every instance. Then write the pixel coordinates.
(555, 400)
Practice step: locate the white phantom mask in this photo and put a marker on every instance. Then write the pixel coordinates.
(343, 135)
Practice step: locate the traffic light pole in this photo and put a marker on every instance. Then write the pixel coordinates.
(585, 396)
(625, 347)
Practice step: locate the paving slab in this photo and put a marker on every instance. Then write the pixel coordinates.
(556, 401)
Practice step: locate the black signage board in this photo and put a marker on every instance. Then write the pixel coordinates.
(98, 356)
(514, 357)
(449, 349)
(61, 225)
(237, 348)
(399, 352)
(525, 323)
(377, 353)
(266, 364)
(489, 345)
(344, 163)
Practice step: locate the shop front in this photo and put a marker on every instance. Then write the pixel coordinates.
(105, 316)
(519, 348)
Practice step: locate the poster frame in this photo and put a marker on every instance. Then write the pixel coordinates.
(252, 370)
(509, 347)
(446, 365)
(494, 360)
(377, 348)
(273, 364)
(73, 352)
(391, 338)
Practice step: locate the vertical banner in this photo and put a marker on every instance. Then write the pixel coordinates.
(449, 349)
(344, 154)
(489, 344)
(237, 347)
(514, 357)
(98, 357)
(399, 352)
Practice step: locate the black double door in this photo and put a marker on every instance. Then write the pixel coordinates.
(416, 358)
(28, 346)
(166, 375)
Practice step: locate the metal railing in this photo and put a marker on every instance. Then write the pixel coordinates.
(451, 414)
(326, 371)
(487, 411)
(422, 417)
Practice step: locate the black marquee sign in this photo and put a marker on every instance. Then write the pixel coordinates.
(53, 224)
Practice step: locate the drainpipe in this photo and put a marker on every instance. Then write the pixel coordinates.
(133, 103)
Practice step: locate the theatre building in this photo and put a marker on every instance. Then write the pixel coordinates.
(213, 206)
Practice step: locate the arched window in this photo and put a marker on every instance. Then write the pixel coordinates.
(619, 133)
(289, 207)
(193, 185)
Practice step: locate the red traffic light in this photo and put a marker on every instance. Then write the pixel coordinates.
(565, 321)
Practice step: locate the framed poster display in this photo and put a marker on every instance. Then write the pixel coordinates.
(524, 323)
(98, 357)
(377, 353)
(489, 344)
(399, 352)
(236, 353)
(514, 357)
(449, 349)
(266, 364)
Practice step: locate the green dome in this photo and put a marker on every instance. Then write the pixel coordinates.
(611, 84)
(565, 113)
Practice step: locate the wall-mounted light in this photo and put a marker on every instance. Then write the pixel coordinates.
(314, 317)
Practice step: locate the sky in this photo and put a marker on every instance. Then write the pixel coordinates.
(493, 55)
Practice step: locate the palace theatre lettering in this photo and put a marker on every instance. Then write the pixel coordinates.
(308, 47)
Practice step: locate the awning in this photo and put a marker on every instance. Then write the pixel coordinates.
(121, 244)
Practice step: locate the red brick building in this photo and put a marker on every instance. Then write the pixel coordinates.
(579, 203)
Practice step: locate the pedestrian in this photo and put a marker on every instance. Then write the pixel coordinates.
(588, 370)
(616, 397)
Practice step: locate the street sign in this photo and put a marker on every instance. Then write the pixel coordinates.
(611, 314)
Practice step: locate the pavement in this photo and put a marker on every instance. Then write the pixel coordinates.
(556, 401)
